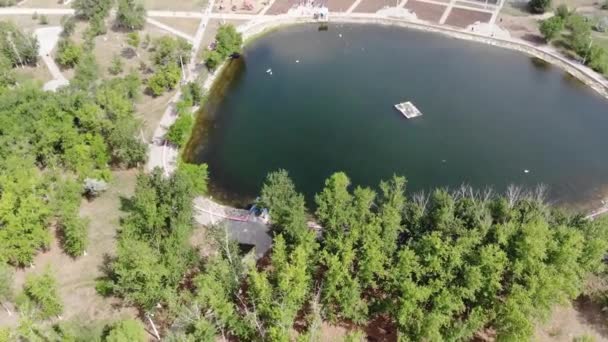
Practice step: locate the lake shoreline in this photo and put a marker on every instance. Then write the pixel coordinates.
(254, 30)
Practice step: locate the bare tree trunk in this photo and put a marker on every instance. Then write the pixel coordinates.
(153, 327)
(8, 311)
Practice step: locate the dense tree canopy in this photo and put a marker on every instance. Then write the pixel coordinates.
(44, 132)
(436, 267)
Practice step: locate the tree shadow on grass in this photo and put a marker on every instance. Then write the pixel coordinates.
(593, 314)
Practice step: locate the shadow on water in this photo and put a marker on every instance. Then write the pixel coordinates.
(205, 121)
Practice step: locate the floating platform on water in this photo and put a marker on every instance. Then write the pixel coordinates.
(408, 110)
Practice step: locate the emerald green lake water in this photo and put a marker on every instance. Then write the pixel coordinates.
(489, 115)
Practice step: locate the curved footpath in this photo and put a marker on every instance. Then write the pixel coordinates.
(264, 23)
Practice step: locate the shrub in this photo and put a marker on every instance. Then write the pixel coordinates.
(179, 132)
(40, 292)
(562, 11)
(128, 330)
(69, 25)
(539, 6)
(551, 28)
(198, 176)
(166, 78)
(116, 65)
(6, 3)
(192, 92)
(68, 53)
(44, 20)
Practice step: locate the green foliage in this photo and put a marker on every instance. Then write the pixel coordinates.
(605, 5)
(44, 20)
(198, 176)
(192, 92)
(286, 206)
(6, 283)
(87, 9)
(44, 133)
(165, 78)
(16, 46)
(539, 6)
(69, 25)
(228, 42)
(562, 11)
(116, 65)
(68, 53)
(74, 229)
(580, 36)
(128, 330)
(87, 72)
(179, 133)
(153, 251)
(40, 294)
(552, 27)
(213, 59)
(133, 39)
(7, 76)
(6, 3)
(130, 15)
(97, 27)
(171, 51)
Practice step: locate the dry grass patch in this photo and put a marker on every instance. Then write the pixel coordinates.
(187, 26)
(38, 73)
(28, 24)
(43, 4)
(568, 322)
(175, 5)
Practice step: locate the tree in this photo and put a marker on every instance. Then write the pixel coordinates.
(552, 27)
(192, 92)
(286, 206)
(539, 6)
(166, 78)
(130, 15)
(87, 72)
(213, 59)
(580, 37)
(228, 42)
(40, 292)
(97, 27)
(169, 51)
(69, 25)
(68, 53)
(179, 133)
(16, 46)
(197, 174)
(115, 66)
(7, 3)
(562, 11)
(87, 9)
(128, 330)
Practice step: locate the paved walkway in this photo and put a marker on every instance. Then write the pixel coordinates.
(47, 39)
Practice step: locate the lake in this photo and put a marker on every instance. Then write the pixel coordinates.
(491, 117)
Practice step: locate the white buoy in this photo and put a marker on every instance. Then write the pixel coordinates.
(269, 71)
(340, 35)
(297, 61)
(526, 171)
